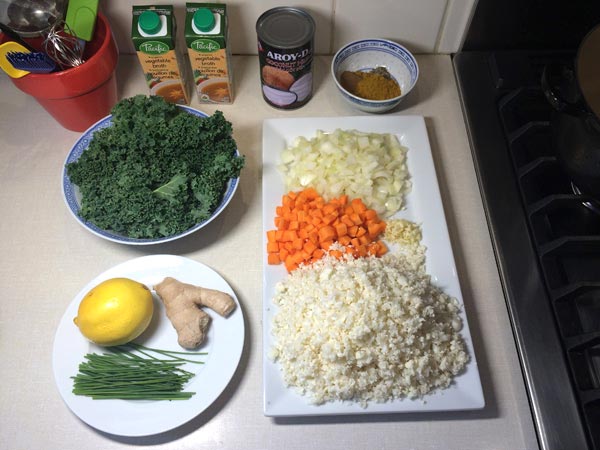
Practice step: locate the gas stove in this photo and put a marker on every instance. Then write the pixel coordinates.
(546, 237)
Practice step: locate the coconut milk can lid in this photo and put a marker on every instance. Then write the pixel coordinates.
(588, 69)
(149, 22)
(285, 27)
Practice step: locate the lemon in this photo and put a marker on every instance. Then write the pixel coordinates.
(115, 312)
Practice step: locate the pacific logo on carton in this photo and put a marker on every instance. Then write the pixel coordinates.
(154, 48)
(205, 45)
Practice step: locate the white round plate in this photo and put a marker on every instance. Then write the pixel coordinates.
(224, 345)
(72, 196)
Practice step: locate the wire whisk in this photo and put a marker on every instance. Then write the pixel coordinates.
(62, 46)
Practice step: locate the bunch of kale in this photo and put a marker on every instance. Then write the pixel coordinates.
(157, 170)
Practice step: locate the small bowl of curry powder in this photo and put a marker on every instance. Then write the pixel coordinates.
(374, 75)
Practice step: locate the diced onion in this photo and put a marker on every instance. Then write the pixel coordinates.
(369, 166)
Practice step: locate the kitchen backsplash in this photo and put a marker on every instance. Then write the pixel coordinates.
(423, 26)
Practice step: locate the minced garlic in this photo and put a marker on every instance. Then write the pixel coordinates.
(407, 235)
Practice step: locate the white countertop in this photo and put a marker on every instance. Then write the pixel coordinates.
(48, 257)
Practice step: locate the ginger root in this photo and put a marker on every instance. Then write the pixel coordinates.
(182, 303)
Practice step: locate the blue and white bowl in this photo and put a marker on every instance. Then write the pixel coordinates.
(366, 55)
(72, 196)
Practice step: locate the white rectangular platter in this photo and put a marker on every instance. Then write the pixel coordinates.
(423, 206)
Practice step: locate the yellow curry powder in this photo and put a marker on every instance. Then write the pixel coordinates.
(373, 85)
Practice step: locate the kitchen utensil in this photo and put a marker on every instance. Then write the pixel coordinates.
(35, 62)
(574, 92)
(14, 36)
(62, 46)
(79, 96)
(5, 64)
(81, 18)
(31, 18)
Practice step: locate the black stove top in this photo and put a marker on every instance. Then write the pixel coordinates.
(546, 238)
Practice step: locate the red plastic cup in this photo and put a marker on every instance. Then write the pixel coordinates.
(79, 97)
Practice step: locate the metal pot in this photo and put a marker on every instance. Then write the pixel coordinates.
(574, 92)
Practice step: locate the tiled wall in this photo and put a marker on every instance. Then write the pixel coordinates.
(424, 26)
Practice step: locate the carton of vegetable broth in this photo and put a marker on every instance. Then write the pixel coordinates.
(153, 32)
(206, 35)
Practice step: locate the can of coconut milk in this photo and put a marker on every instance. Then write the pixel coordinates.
(285, 54)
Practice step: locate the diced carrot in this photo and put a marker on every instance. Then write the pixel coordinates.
(279, 222)
(336, 254)
(326, 233)
(329, 218)
(341, 229)
(374, 229)
(290, 265)
(288, 236)
(344, 240)
(297, 258)
(326, 244)
(330, 208)
(318, 253)
(352, 230)
(283, 253)
(358, 206)
(370, 214)
(360, 231)
(382, 248)
(310, 247)
(273, 259)
(286, 200)
(306, 226)
(372, 248)
(302, 216)
(310, 193)
(297, 244)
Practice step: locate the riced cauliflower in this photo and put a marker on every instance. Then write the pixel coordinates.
(366, 330)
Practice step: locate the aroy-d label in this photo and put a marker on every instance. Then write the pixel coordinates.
(285, 53)
(206, 35)
(153, 34)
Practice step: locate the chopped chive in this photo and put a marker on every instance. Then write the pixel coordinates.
(153, 374)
